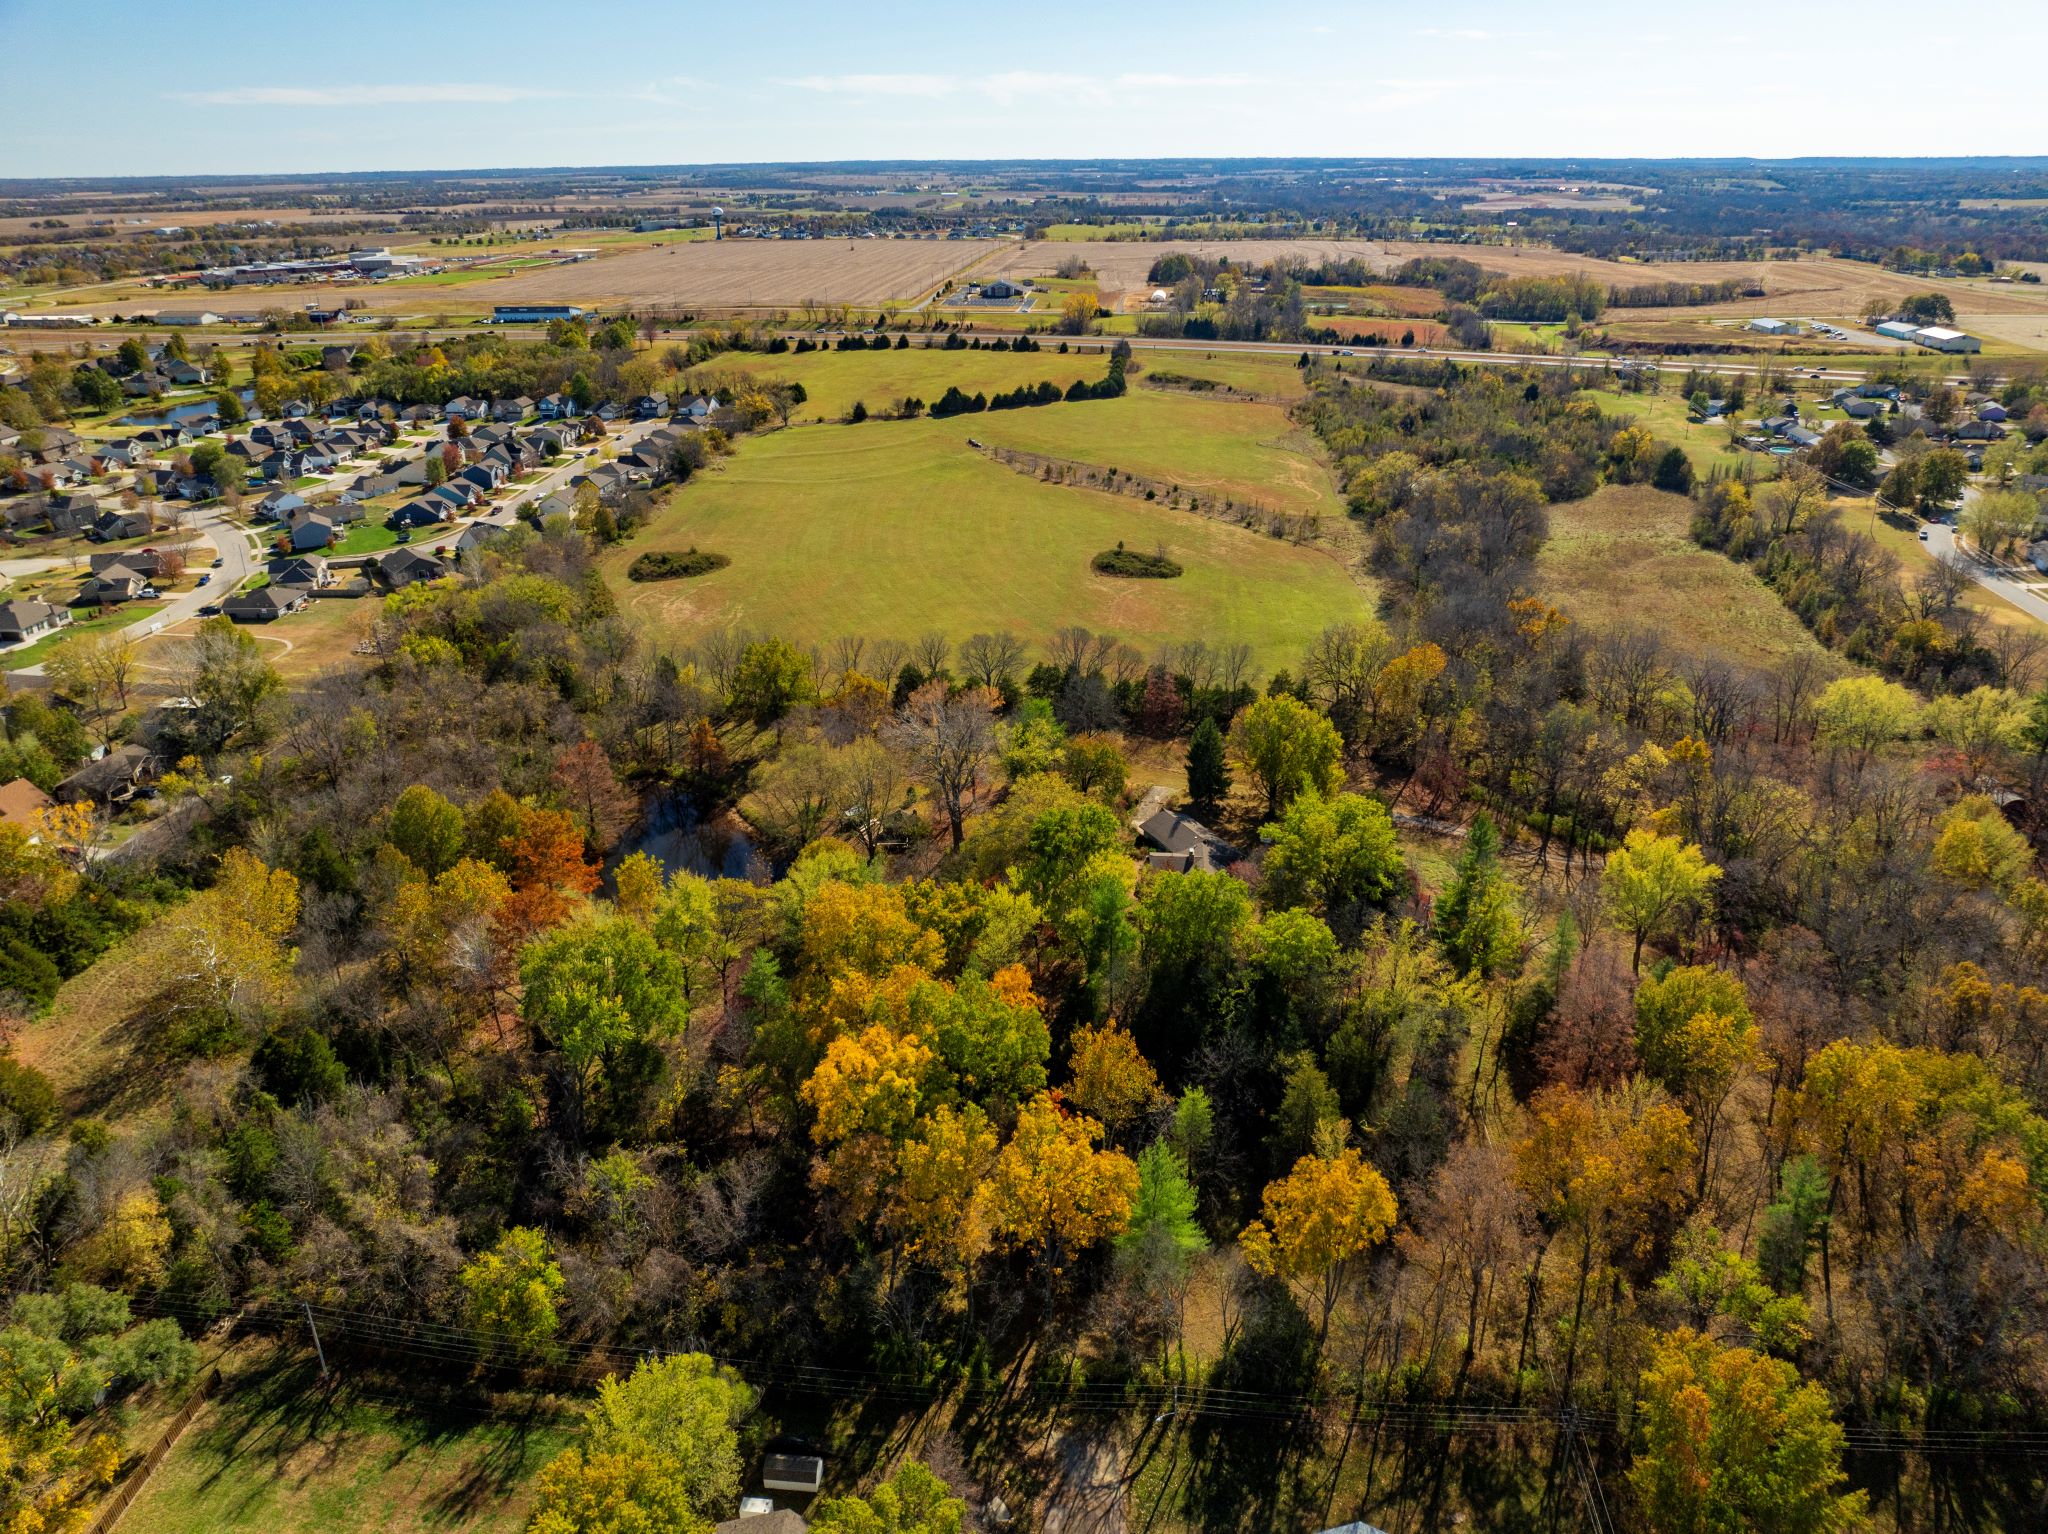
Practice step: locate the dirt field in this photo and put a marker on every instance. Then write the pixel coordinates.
(733, 272)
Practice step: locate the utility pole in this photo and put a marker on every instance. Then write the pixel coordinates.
(318, 1351)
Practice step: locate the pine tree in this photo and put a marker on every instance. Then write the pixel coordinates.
(1208, 769)
(1475, 920)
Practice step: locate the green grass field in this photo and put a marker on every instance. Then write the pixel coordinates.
(894, 528)
(1248, 451)
(834, 380)
(1623, 558)
(276, 1454)
(366, 537)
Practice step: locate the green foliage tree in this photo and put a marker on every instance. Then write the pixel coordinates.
(1288, 748)
(427, 829)
(911, 1501)
(512, 1290)
(599, 991)
(1651, 883)
(1331, 853)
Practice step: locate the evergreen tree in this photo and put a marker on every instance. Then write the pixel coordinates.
(1475, 920)
(1208, 767)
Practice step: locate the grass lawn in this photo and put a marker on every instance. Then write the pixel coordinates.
(1623, 557)
(366, 537)
(1667, 417)
(834, 380)
(115, 620)
(1248, 451)
(277, 1454)
(895, 528)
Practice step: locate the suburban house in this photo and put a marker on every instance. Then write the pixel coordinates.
(407, 567)
(146, 562)
(161, 439)
(1185, 845)
(698, 409)
(26, 618)
(264, 604)
(71, 513)
(477, 534)
(311, 570)
(427, 511)
(113, 779)
(554, 407)
(183, 373)
(280, 504)
(110, 585)
(311, 532)
(110, 525)
(517, 408)
(142, 385)
(463, 408)
(21, 801)
(486, 474)
(648, 406)
(123, 452)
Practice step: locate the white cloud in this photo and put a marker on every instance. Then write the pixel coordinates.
(361, 95)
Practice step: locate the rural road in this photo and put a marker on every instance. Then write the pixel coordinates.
(1941, 540)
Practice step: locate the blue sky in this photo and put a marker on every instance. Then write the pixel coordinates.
(227, 87)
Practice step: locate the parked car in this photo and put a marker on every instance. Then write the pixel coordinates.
(210, 610)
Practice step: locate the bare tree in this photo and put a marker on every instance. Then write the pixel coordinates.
(991, 659)
(1070, 648)
(948, 739)
(846, 652)
(930, 652)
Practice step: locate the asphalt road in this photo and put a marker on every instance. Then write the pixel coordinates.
(1941, 539)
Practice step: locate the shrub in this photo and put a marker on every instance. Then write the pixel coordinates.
(1132, 565)
(669, 566)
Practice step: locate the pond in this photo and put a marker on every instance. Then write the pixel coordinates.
(195, 410)
(675, 836)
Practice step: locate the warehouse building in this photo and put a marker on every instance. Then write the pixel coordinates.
(1937, 338)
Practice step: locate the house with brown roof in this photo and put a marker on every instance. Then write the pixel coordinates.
(21, 801)
(26, 618)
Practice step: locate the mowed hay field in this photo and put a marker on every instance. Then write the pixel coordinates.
(896, 528)
(1245, 451)
(1622, 558)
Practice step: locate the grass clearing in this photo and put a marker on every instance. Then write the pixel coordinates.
(278, 1454)
(1249, 372)
(894, 528)
(1624, 557)
(366, 537)
(1668, 418)
(97, 1042)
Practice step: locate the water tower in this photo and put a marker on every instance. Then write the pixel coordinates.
(718, 223)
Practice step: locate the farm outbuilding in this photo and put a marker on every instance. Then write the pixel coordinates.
(1898, 330)
(1938, 338)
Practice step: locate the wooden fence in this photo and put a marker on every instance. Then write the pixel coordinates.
(131, 1488)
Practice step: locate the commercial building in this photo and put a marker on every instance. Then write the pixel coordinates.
(1937, 338)
(1898, 330)
(533, 314)
(1771, 327)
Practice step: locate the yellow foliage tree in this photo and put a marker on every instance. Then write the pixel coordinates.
(1112, 1080)
(1052, 1192)
(1314, 1221)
